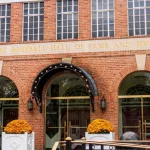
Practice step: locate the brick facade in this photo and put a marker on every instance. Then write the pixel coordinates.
(108, 69)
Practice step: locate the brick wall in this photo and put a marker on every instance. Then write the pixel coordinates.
(107, 68)
(16, 22)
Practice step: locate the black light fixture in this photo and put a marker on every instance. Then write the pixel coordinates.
(30, 104)
(103, 103)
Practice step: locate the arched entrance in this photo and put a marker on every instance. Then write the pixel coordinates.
(69, 101)
(67, 108)
(134, 104)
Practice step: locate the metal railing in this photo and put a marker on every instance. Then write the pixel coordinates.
(103, 145)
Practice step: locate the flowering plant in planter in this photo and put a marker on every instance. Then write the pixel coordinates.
(97, 130)
(18, 127)
(18, 135)
(100, 126)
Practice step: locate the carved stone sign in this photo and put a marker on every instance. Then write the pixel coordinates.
(67, 60)
(75, 47)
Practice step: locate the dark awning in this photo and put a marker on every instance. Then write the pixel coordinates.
(49, 71)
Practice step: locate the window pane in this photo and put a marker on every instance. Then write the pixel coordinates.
(94, 28)
(130, 18)
(58, 36)
(130, 12)
(148, 24)
(111, 33)
(67, 20)
(94, 5)
(58, 29)
(147, 3)
(130, 32)
(65, 36)
(142, 31)
(130, 5)
(76, 35)
(104, 22)
(5, 22)
(148, 31)
(142, 25)
(94, 34)
(137, 32)
(33, 21)
(25, 38)
(130, 26)
(69, 35)
(139, 14)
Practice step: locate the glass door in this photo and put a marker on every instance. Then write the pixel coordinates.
(66, 117)
(146, 118)
(78, 117)
(134, 115)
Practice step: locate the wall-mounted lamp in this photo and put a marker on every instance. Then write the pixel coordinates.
(30, 104)
(103, 103)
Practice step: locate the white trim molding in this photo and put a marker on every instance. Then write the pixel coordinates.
(140, 61)
(76, 47)
(19, 1)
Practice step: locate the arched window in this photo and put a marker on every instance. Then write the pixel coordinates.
(9, 97)
(134, 104)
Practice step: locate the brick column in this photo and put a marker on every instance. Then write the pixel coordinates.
(49, 19)
(121, 18)
(16, 22)
(84, 19)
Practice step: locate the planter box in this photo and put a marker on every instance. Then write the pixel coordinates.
(18, 141)
(100, 137)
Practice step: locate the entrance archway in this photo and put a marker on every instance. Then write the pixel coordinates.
(134, 104)
(67, 108)
(70, 96)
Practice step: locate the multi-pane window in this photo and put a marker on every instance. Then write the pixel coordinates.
(67, 19)
(138, 17)
(102, 18)
(5, 11)
(33, 21)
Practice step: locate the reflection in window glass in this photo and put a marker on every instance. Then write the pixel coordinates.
(67, 19)
(102, 18)
(9, 101)
(138, 17)
(7, 88)
(33, 21)
(5, 22)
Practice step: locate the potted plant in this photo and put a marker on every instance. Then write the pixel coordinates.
(100, 129)
(18, 135)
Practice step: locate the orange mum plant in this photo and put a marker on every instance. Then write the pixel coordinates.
(100, 126)
(18, 127)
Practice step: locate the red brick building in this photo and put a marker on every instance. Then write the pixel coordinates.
(65, 56)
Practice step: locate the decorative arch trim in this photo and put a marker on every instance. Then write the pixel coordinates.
(49, 71)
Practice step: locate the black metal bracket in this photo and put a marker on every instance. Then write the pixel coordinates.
(37, 100)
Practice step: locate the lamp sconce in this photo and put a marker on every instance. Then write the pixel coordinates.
(30, 104)
(103, 103)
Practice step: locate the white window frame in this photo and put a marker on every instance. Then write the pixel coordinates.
(67, 13)
(5, 17)
(38, 15)
(134, 8)
(103, 10)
